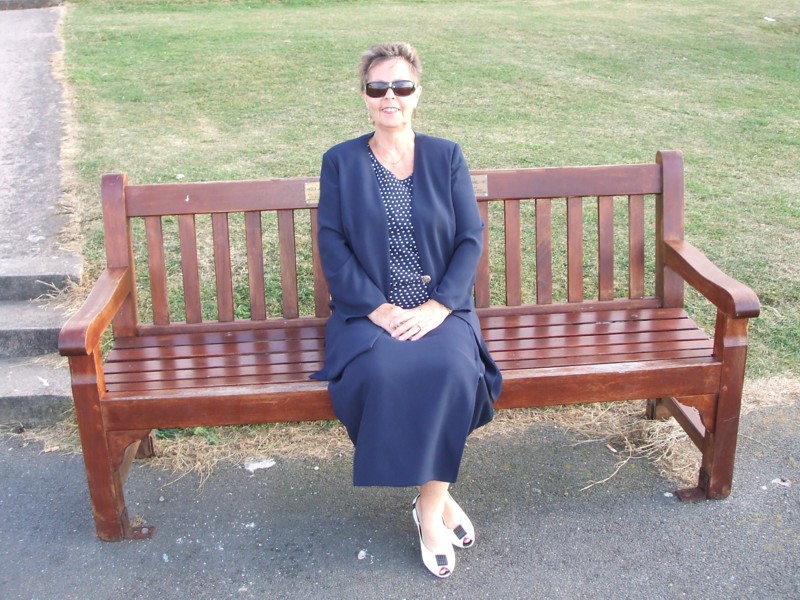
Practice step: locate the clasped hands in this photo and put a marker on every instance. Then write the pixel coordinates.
(409, 323)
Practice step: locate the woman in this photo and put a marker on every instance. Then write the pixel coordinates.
(400, 237)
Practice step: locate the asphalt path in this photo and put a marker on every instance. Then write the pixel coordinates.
(299, 529)
(30, 135)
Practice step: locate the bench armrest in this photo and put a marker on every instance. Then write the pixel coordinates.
(731, 297)
(83, 330)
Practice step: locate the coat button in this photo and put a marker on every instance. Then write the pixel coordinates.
(426, 279)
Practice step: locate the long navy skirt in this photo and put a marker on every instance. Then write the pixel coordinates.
(409, 406)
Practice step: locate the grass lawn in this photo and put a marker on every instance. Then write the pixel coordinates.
(228, 90)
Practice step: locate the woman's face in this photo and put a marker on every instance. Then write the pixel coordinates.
(391, 112)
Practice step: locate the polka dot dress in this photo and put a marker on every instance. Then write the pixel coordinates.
(405, 271)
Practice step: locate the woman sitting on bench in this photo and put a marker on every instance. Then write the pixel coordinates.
(400, 237)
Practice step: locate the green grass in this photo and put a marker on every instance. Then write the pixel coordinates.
(230, 90)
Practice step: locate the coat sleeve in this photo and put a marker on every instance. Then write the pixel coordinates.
(454, 289)
(353, 292)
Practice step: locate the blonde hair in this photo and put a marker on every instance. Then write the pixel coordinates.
(386, 51)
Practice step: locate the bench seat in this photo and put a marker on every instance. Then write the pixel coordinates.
(194, 379)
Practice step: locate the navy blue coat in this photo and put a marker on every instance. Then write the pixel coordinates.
(354, 244)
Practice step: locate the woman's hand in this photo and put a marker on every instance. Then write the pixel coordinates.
(412, 323)
(385, 316)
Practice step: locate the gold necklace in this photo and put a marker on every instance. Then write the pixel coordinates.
(392, 163)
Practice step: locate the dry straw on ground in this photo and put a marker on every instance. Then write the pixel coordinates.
(615, 427)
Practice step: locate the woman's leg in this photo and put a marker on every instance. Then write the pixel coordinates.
(453, 513)
(430, 510)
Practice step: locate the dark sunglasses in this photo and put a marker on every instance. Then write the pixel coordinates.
(378, 89)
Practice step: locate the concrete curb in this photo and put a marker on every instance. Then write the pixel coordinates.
(24, 278)
(35, 391)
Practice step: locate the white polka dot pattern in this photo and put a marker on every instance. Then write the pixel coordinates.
(405, 271)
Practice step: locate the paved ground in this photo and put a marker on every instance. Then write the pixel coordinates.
(299, 529)
(296, 530)
(30, 133)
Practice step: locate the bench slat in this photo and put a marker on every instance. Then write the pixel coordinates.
(218, 336)
(288, 258)
(482, 280)
(547, 309)
(544, 251)
(190, 268)
(294, 368)
(217, 196)
(560, 331)
(157, 269)
(144, 362)
(513, 253)
(602, 350)
(289, 361)
(569, 344)
(586, 316)
(222, 266)
(574, 249)
(636, 246)
(595, 360)
(605, 247)
(562, 182)
(202, 352)
(255, 265)
(205, 382)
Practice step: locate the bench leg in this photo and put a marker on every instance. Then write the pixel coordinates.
(715, 479)
(719, 447)
(105, 471)
(147, 447)
(656, 410)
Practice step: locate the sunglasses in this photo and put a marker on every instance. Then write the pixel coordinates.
(378, 89)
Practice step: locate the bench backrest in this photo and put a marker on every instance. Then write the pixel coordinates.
(228, 254)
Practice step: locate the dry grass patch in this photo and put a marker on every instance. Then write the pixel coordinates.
(200, 454)
(768, 392)
(620, 427)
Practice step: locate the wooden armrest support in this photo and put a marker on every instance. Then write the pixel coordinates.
(82, 331)
(731, 297)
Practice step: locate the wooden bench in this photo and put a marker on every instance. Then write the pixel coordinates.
(580, 292)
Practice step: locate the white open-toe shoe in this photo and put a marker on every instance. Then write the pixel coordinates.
(463, 534)
(441, 565)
